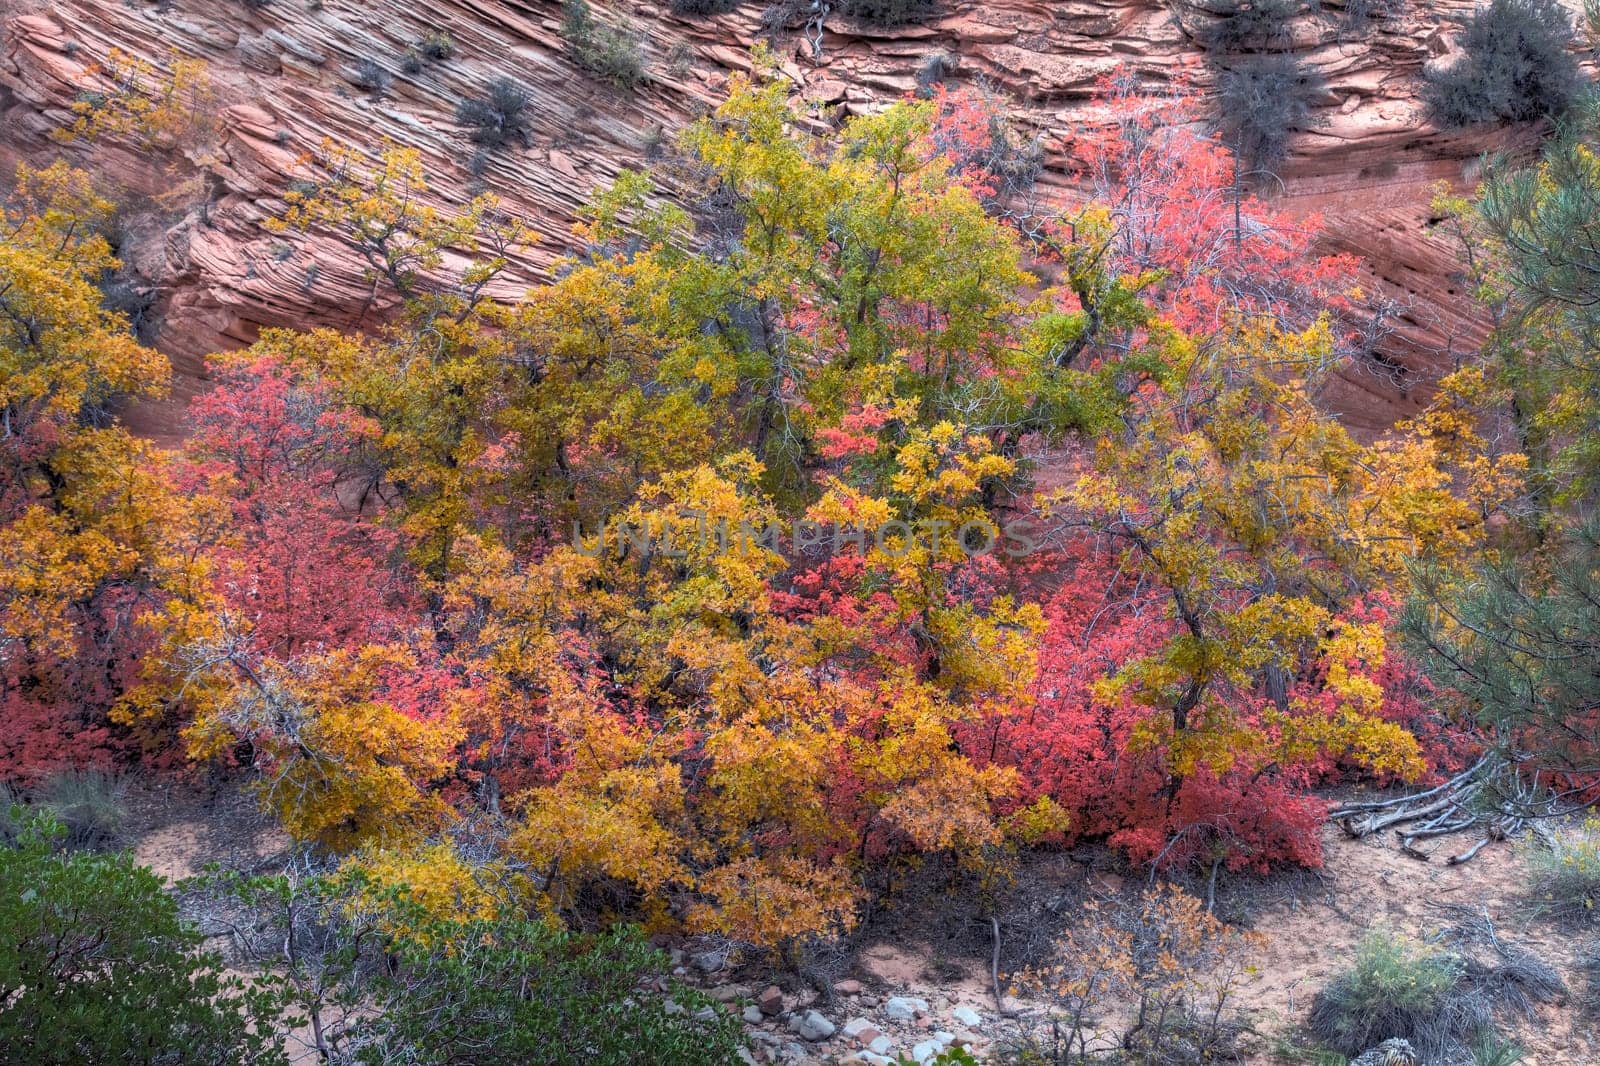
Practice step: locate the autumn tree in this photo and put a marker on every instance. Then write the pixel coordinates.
(101, 555)
(428, 384)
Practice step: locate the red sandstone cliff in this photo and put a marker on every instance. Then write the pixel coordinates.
(285, 74)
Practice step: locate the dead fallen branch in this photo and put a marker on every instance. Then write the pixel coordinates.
(1494, 796)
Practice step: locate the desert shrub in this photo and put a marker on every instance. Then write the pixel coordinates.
(1397, 987)
(437, 45)
(124, 295)
(1164, 956)
(704, 7)
(615, 53)
(90, 805)
(96, 967)
(1238, 25)
(370, 75)
(1359, 14)
(1261, 104)
(1565, 878)
(1517, 67)
(498, 116)
(1589, 968)
(933, 70)
(890, 12)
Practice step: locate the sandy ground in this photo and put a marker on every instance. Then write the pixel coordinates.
(1311, 925)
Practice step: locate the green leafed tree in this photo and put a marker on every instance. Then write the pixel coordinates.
(96, 966)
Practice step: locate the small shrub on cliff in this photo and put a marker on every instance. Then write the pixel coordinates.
(437, 46)
(1260, 105)
(890, 12)
(1360, 14)
(1517, 67)
(935, 68)
(370, 75)
(615, 53)
(498, 116)
(688, 8)
(1239, 25)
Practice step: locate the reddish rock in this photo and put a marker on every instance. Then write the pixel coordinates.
(1368, 165)
(770, 1001)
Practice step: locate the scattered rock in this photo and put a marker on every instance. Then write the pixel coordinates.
(967, 1017)
(848, 988)
(811, 1026)
(904, 1008)
(753, 1015)
(709, 962)
(771, 1000)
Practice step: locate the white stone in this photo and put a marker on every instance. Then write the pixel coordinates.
(904, 1008)
(811, 1026)
(967, 1017)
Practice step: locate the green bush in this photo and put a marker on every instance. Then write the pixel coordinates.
(1566, 878)
(96, 967)
(12, 814)
(1396, 988)
(1262, 104)
(615, 53)
(512, 991)
(91, 805)
(1517, 67)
